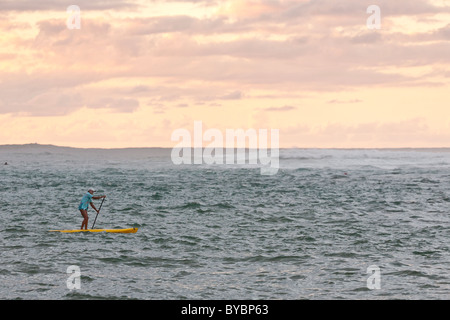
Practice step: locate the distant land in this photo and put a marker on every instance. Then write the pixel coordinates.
(51, 146)
(55, 147)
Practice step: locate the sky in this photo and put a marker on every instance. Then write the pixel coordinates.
(136, 71)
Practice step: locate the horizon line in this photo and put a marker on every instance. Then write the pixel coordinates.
(280, 148)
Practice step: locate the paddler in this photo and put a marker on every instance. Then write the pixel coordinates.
(85, 201)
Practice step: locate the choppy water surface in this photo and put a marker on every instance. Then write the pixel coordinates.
(226, 232)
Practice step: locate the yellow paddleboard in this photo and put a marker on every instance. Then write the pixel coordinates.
(131, 230)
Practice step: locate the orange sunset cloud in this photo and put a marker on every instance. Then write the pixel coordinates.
(136, 71)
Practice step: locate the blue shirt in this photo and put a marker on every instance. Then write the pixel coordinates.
(87, 198)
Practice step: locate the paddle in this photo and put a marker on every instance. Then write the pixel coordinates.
(98, 213)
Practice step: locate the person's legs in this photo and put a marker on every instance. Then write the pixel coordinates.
(85, 219)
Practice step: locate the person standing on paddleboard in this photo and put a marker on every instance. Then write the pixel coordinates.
(85, 201)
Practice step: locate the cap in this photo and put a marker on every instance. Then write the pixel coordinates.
(91, 189)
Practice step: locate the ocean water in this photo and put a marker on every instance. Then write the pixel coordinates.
(225, 231)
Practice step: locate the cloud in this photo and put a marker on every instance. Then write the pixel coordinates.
(352, 8)
(51, 102)
(36, 93)
(116, 104)
(235, 95)
(181, 23)
(367, 38)
(443, 33)
(299, 46)
(336, 101)
(281, 109)
(33, 5)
